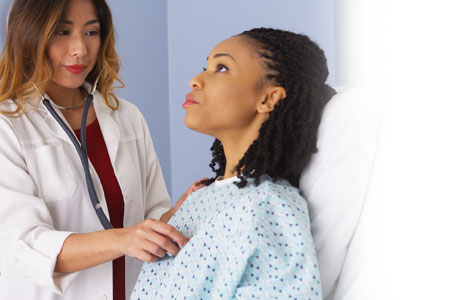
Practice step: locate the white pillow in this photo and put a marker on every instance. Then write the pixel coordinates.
(335, 185)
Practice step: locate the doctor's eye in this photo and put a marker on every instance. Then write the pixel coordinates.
(63, 32)
(222, 68)
(92, 32)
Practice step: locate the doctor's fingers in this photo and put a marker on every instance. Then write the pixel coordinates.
(145, 250)
(196, 185)
(161, 243)
(167, 231)
(145, 256)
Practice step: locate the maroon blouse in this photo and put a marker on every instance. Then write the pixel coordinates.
(98, 155)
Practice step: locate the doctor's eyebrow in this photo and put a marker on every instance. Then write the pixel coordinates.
(222, 54)
(94, 21)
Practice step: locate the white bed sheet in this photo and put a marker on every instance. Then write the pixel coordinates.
(336, 185)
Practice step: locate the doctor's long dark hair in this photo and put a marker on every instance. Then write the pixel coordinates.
(32, 24)
(288, 138)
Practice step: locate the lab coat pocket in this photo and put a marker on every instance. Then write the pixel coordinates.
(51, 171)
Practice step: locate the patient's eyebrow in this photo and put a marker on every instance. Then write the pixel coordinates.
(222, 54)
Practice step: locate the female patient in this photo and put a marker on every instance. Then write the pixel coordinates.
(261, 97)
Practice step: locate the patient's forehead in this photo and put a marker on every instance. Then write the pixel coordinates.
(238, 47)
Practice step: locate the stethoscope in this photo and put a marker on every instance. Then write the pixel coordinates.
(82, 151)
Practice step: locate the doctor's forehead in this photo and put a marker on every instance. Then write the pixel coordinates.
(79, 9)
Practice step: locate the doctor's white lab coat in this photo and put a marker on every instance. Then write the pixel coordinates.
(44, 198)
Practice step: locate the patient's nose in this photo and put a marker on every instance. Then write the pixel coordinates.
(197, 82)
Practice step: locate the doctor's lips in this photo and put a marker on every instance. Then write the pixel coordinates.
(189, 101)
(76, 69)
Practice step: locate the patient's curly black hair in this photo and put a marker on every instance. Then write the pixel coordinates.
(288, 138)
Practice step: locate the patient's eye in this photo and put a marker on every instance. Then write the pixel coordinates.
(222, 68)
(204, 69)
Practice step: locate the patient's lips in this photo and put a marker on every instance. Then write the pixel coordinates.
(189, 101)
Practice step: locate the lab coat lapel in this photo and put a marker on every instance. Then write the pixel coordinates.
(108, 125)
(50, 121)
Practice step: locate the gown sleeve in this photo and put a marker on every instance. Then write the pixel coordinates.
(284, 265)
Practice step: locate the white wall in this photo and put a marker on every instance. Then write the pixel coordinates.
(143, 49)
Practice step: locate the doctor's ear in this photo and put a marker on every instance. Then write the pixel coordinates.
(272, 97)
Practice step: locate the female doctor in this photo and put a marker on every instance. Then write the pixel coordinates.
(53, 246)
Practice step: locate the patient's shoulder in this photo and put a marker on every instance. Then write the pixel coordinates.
(280, 190)
(278, 198)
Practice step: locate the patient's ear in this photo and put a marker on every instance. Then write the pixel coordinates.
(272, 96)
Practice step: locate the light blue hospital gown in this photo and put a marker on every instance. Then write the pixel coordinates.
(249, 243)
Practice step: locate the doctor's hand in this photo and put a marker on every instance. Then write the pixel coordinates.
(195, 186)
(151, 239)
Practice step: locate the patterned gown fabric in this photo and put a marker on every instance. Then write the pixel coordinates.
(249, 243)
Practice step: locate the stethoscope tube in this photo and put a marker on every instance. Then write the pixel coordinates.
(83, 154)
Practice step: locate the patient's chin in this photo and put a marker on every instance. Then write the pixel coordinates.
(197, 125)
(192, 124)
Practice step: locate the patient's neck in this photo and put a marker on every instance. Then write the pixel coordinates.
(235, 147)
(233, 155)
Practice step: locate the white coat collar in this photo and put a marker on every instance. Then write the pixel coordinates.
(109, 127)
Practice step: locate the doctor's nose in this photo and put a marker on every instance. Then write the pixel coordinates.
(196, 83)
(78, 46)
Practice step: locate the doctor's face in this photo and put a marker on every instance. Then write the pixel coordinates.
(225, 96)
(74, 49)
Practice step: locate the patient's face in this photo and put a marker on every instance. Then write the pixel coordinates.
(227, 92)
